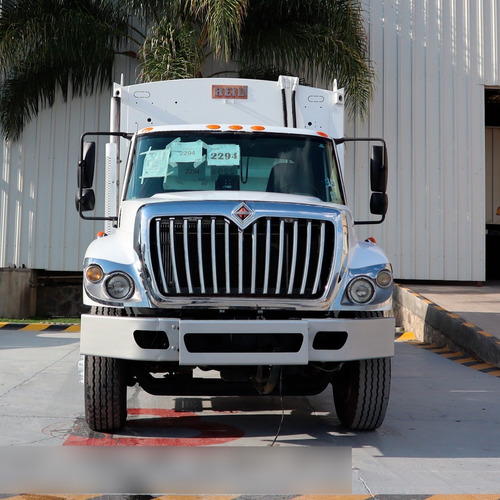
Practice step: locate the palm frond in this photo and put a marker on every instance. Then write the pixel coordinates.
(271, 73)
(316, 39)
(47, 45)
(170, 52)
(221, 22)
(154, 12)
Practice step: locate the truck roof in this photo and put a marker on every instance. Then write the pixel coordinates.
(284, 103)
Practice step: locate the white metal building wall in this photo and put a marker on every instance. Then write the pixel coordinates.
(39, 225)
(432, 58)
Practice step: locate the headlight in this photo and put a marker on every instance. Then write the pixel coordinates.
(384, 278)
(119, 286)
(361, 290)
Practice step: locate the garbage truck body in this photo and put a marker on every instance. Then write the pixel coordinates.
(229, 248)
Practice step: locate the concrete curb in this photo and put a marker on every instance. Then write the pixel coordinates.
(432, 324)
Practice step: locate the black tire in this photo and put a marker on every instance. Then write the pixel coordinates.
(361, 393)
(105, 389)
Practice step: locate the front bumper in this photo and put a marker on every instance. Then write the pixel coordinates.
(116, 337)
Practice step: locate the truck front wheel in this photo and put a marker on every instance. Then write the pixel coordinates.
(105, 388)
(105, 393)
(361, 393)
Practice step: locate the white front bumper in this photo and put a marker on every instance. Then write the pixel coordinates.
(112, 336)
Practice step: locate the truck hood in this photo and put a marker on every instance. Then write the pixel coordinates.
(130, 207)
(236, 196)
(230, 196)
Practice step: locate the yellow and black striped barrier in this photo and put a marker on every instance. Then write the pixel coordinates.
(456, 356)
(40, 327)
(445, 327)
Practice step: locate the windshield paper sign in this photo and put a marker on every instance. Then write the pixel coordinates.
(223, 154)
(186, 152)
(155, 163)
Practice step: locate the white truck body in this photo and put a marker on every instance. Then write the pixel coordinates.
(208, 261)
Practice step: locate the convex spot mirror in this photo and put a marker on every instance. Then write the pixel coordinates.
(85, 203)
(379, 203)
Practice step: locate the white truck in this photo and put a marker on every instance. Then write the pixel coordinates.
(229, 246)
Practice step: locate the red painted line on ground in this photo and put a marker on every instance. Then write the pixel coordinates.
(207, 432)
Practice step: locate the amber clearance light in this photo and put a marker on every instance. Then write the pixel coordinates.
(94, 273)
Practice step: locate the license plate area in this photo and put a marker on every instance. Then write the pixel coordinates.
(243, 343)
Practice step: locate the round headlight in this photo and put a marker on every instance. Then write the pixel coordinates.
(119, 286)
(94, 273)
(384, 278)
(361, 290)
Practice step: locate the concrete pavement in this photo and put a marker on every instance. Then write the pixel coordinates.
(461, 317)
(439, 435)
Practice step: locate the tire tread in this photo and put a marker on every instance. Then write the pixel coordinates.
(361, 391)
(105, 388)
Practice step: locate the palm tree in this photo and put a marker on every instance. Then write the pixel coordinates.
(46, 45)
(313, 39)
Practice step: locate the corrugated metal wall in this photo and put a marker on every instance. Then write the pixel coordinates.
(39, 225)
(432, 58)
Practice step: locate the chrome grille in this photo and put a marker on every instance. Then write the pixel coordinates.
(272, 257)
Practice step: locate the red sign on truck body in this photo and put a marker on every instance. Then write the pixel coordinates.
(229, 92)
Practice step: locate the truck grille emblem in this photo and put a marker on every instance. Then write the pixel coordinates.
(242, 212)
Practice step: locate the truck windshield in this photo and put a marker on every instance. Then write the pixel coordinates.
(167, 162)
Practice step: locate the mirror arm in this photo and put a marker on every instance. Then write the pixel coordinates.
(359, 222)
(341, 140)
(125, 135)
(112, 219)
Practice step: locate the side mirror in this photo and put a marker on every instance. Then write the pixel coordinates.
(378, 170)
(378, 178)
(378, 204)
(85, 202)
(86, 165)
